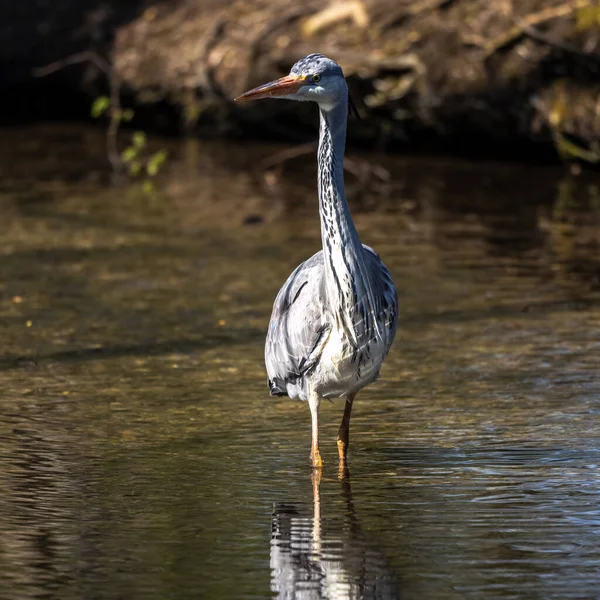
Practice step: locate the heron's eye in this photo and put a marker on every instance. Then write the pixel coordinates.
(316, 78)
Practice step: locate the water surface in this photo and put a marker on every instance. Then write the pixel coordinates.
(141, 457)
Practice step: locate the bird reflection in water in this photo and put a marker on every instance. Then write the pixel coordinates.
(326, 558)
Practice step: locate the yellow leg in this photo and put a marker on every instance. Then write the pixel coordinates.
(343, 438)
(314, 402)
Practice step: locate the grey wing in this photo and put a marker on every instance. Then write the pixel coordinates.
(298, 329)
(385, 294)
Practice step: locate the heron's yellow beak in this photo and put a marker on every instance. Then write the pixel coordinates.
(280, 87)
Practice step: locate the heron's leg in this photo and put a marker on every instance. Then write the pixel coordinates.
(343, 438)
(314, 401)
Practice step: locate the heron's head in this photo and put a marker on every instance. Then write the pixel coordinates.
(315, 77)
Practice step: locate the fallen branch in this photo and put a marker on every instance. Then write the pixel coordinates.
(357, 167)
(534, 34)
(284, 155)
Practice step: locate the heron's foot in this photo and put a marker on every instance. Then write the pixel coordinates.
(315, 459)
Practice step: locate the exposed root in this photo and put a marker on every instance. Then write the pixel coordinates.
(524, 26)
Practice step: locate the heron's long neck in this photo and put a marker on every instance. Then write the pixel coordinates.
(345, 270)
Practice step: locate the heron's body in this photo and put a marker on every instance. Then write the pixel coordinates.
(335, 318)
(308, 348)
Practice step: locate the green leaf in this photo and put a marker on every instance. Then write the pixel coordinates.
(148, 186)
(135, 167)
(129, 153)
(100, 106)
(138, 139)
(155, 162)
(127, 114)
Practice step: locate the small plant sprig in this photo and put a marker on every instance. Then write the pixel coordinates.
(135, 157)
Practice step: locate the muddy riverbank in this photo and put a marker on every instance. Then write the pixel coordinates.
(491, 75)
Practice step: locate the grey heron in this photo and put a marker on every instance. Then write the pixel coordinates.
(335, 318)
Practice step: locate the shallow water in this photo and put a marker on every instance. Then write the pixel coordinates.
(141, 456)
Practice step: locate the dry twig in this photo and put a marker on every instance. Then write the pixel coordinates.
(115, 98)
